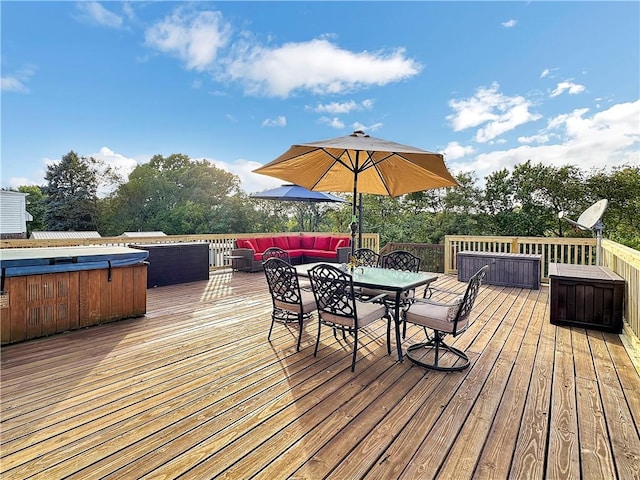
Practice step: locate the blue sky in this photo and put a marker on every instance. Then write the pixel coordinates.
(489, 84)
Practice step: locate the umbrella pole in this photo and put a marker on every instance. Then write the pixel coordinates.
(359, 220)
(354, 225)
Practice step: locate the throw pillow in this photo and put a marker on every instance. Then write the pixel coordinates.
(454, 306)
(250, 243)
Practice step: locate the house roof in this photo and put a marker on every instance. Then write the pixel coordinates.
(143, 234)
(44, 235)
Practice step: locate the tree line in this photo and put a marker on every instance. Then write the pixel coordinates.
(178, 195)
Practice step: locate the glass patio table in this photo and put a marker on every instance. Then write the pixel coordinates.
(394, 281)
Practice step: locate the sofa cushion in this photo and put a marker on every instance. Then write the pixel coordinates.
(249, 243)
(337, 242)
(294, 242)
(263, 243)
(319, 253)
(306, 242)
(281, 242)
(322, 243)
(295, 253)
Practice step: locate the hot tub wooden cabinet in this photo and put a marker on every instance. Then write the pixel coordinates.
(586, 296)
(53, 290)
(507, 269)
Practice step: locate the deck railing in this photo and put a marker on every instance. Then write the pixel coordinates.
(623, 260)
(431, 255)
(581, 251)
(220, 245)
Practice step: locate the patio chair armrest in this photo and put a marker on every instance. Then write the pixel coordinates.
(377, 298)
(428, 301)
(433, 290)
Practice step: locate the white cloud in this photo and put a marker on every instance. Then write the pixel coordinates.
(572, 88)
(121, 164)
(249, 182)
(542, 138)
(606, 139)
(280, 121)
(497, 112)
(202, 40)
(365, 128)
(127, 9)
(194, 37)
(17, 81)
(509, 23)
(94, 12)
(15, 182)
(344, 107)
(454, 150)
(12, 84)
(334, 122)
(317, 66)
(545, 73)
(336, 107)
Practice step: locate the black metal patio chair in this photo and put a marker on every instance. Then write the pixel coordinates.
(451, 318)
(338, 306)
(277, 253)
(286, 294)
(367, 257)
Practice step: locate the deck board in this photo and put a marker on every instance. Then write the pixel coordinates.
(194, 389)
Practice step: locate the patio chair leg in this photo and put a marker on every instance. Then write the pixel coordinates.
(389, 336)
(271, 328)
(355, 351)
(315, 351)
(300, 321)
(436, 342)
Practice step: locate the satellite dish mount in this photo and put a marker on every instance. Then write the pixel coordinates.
(591, 219)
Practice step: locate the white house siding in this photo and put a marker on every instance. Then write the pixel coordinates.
(13, 214)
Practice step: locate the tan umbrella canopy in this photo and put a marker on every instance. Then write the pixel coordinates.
(361, 164)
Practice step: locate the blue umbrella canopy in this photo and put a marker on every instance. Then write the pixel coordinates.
(296, 193)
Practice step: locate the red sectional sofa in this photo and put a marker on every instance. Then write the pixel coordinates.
(301, 248)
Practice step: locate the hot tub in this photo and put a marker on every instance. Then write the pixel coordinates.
(52, 290)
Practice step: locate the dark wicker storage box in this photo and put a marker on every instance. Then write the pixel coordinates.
(171, 263)
(508, 269)
(586, 296)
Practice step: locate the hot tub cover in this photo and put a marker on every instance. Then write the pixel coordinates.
(17, 262)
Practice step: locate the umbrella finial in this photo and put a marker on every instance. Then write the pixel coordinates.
(358, 133)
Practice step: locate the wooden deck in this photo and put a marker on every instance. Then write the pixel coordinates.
(194, 390)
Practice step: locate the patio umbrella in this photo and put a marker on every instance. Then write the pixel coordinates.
(296, 193)
(359, 163)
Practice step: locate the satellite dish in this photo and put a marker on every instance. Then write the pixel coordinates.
(591, 219)
(592, 215)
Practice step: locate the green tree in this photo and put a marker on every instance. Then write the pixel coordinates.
(35, 206)
(622, 188)
(71, 201)
(178, 195)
